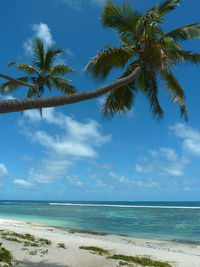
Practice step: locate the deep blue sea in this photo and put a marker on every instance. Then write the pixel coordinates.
(154, 220)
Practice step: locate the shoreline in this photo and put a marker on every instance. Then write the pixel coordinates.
(176, 253)
(95, 233)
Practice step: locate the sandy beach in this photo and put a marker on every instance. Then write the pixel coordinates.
(177, 254)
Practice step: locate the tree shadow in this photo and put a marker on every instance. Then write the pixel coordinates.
(39, 264)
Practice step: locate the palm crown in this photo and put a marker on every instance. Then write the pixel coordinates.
(143, 43)
(42, 73)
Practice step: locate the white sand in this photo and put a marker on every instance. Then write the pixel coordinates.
(175, 253)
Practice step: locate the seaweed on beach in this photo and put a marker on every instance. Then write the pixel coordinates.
(74, 231)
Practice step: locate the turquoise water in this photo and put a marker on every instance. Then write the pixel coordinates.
(155, 220)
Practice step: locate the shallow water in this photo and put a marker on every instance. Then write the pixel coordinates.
(155, 220)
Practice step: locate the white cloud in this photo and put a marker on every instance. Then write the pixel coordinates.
(78, 4)
(78, 139)
(191, 138)
(3, 170)
(169, 153)
(120, 178)
(144, 168)
(49, 170)
(74, 141)
(21, 182)
(74, 181)
(164, 161)
(187, 189)
(41, 31)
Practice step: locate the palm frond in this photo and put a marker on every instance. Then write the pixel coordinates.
(147, 82)
(100, 66)
(167, 6)
(61, 69)
(38, 53)
(175, 90)
(11, 86)
(50, 56)
(123, 19)
(61, 84)
(185, 56)
(48, 84)
(168, 43)
(29, 69)
(32, 93)
(187, 32)
(121, 100)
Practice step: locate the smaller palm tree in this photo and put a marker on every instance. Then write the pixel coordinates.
(42, 73)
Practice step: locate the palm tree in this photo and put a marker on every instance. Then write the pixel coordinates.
(143, 43)
(42, 73)
(147, 54)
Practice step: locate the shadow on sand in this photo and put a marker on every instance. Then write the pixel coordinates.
(39, 264)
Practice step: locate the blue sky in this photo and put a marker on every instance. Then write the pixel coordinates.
(72, 153)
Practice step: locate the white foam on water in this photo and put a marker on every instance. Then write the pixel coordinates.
(121, 206)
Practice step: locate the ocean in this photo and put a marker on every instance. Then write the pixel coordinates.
(172, 221)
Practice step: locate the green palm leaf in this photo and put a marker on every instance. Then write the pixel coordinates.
(50, 56)
(121, 19)
(62, 85)
(175, 90)
(101, 65)
(29, 69)
(38, 53)
(11, 86)
(147, 83)
(32, 93)
(167, 6)
(121, 99)
(185, 56)
(61, 69)
(191, 31)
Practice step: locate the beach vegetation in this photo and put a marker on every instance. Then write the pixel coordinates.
(44, 241)
(13, 239)
(28, 237)
(123, 263)
(5, 256)
(126, 260)
(97, 250)
(33, 252)
(143, 261)
(61, 245)
(31, 244)
(44, 252)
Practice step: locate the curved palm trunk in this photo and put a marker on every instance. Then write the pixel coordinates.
(17, 81)
(15, 105)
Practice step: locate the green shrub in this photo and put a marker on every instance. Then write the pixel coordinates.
(99, 251)
(143, 261)
(61, 245)
(5, 256)
(44, 241)
(30, 244)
